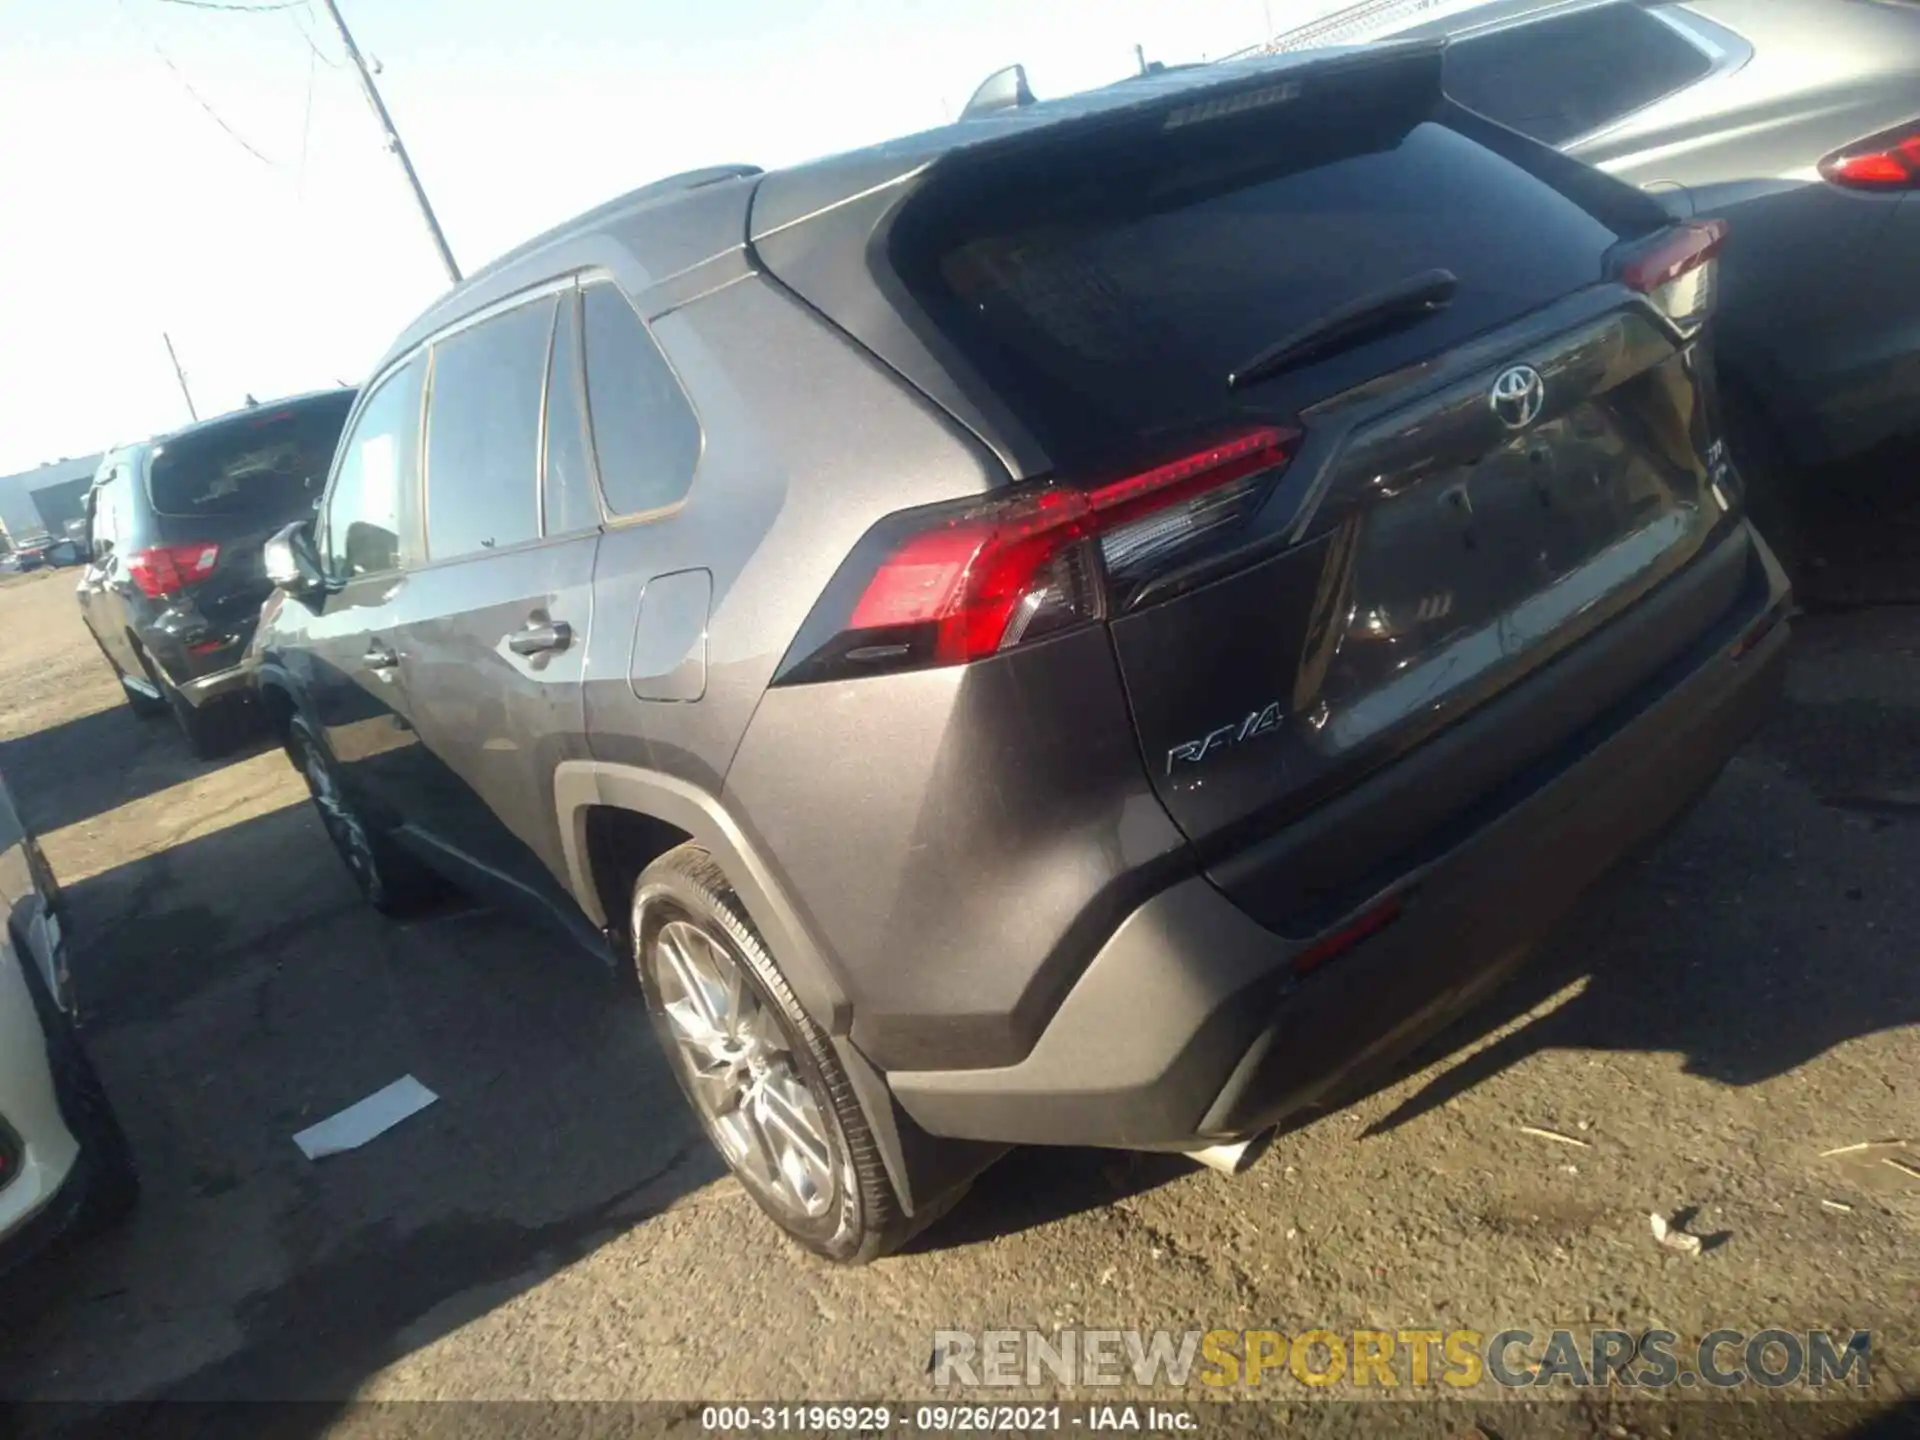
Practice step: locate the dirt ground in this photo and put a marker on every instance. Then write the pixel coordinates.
(1703, 1031)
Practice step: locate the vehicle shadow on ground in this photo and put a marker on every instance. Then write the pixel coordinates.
(240, 991)
(1029, 1188)
(1745, 959)
(95, 763)
(1860, 526)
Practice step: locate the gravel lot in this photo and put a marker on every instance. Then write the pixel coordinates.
(1723, 1013)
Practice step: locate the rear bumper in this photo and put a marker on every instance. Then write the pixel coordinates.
(202, 660)
(1190, 1025)
(218, 684)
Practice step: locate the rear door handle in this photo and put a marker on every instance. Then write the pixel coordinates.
(538, 639)
(379, 657)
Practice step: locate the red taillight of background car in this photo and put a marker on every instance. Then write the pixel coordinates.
(1888, 161)
(960, 584)
(166, 570)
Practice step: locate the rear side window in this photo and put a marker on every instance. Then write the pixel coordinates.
(1108, 306)
(269, 465)
(1559, 78)
(103, 529)
(362, 525)
(483, 433)
(568, 478)
(645, 433)
(104, 523)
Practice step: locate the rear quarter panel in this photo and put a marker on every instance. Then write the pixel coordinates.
(807, 442)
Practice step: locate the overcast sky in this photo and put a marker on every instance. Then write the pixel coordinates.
(288, 257)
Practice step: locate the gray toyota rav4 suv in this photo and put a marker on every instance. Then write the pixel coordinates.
(1090, 626)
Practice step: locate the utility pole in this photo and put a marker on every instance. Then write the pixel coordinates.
(1140, 57)
(392, 139)
(180, 375)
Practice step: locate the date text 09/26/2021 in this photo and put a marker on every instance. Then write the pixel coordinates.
(944, 1419)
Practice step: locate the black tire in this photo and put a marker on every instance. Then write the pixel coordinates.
(863, 1218)
(213, 730)
(112, 1180)
(105, 1174)
(1774, 499)
(388, 878)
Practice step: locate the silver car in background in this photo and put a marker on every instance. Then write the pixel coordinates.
(1796, 121)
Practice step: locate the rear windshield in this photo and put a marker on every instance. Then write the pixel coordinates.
(1106, 303)
(273, 463)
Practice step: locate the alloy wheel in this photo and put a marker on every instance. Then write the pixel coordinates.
(740, 1072)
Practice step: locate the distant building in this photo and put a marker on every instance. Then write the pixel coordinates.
(44, 500)
(62, 503)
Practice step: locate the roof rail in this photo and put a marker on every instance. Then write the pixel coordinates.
(690, 180)
(653, 190)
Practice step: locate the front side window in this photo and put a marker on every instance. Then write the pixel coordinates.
(363, 523)
(103, 528)
(483, 433)
(645, 433)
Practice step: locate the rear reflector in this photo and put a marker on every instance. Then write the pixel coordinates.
(1330, 947)
(1889, 161)
(166, 570)
(954, 585)
(1676, 270)
(1759, 631)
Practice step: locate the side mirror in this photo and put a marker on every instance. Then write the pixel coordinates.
(292, 563)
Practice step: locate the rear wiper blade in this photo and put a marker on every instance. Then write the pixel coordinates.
(1399, 304)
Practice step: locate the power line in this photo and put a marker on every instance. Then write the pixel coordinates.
(201, 100)
(312, 44)
(391, 136)
(306, 124)
(236, 9)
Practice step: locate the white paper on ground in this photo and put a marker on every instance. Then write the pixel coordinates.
(363, 1120)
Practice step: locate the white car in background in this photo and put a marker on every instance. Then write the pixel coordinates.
(64, 1163)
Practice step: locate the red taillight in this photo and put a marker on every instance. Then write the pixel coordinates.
(1676, 271)
(974, 582)
(168, 569)
(966, 579)
(1882, 162)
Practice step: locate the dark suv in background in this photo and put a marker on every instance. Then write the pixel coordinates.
(1095, 626)
(175, 527)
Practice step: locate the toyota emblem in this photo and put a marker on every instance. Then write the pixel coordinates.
(1519, 395)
